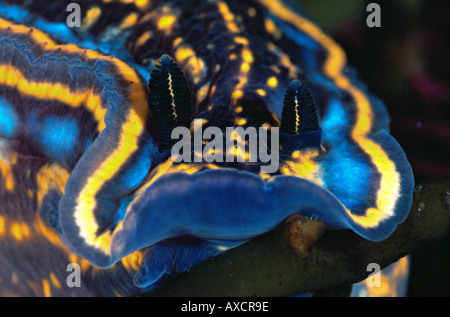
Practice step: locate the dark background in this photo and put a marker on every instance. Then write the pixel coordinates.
(406, 62)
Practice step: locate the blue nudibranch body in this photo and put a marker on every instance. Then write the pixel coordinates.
(86, 174)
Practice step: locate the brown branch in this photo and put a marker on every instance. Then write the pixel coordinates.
(269, 266)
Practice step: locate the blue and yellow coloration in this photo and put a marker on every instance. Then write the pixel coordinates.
(82, 175)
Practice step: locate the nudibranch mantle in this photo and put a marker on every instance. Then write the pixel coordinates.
(94, 137)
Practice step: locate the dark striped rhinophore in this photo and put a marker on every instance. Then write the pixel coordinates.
(169, 100)
(299, 110)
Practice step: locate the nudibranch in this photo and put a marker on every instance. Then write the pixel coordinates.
(87, 116)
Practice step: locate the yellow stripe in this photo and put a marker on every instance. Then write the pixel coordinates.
(46, 288)
(141, 4)
(228, 17)
(177, 41)
(165, 22)
(50, 177)
(36, 35)
(261, 92)
(132, 262)
(132, 128)
(272, 29)
(174, 108)
(160, 170)
(284, 60)
(246, 55)
(2, 226)
(56, 177)
(388, 193)
(143, 38)
(84, 211)
(125, 71)
(6, 173)
(20, 231)
(129, 21)
(12, 77)
(91, 17)
(165, 168)
(303, 164)
(194, 65)
(182, 53)
(202, 93)
(55, 280)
